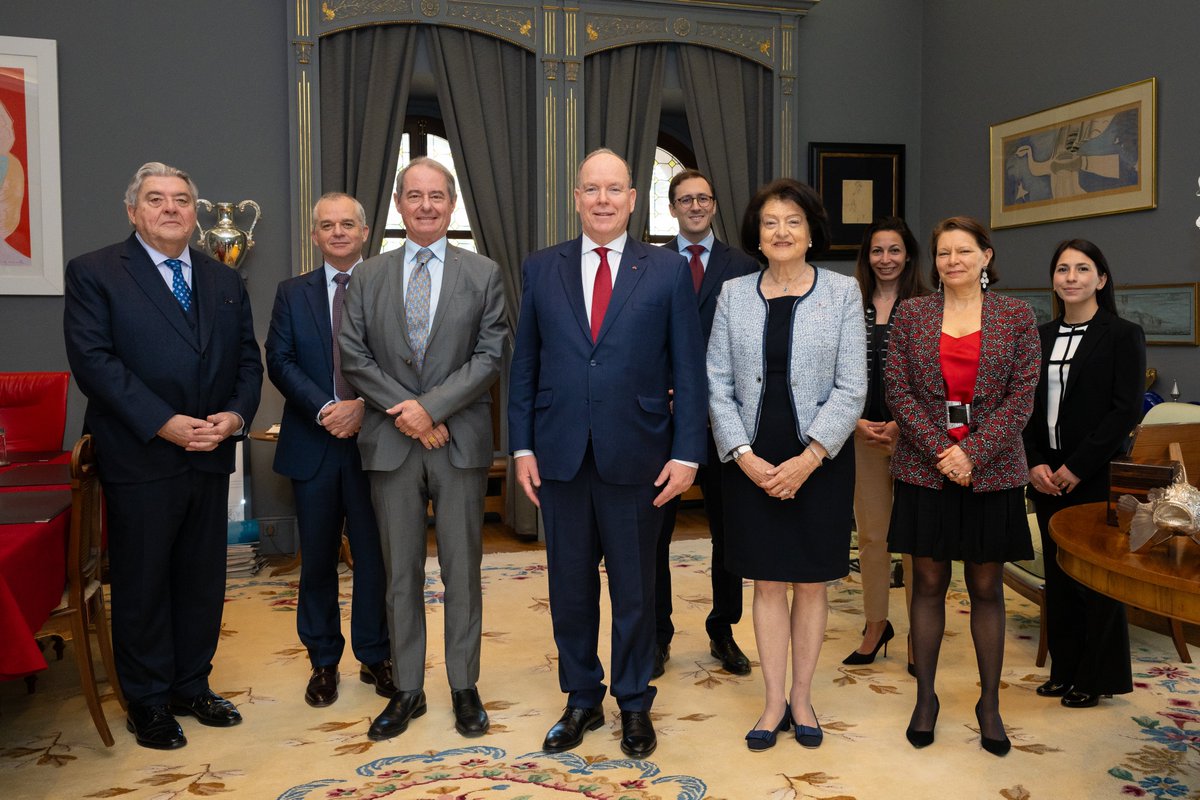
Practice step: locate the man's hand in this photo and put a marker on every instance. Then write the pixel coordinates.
(412, 419)
(344, 418)
(181, 430)
(677, 477)
(200, 435)
(528, 477)
(438, 437)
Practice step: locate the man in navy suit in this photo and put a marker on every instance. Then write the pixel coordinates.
(161, 340)
(318, 450)
(607, 326)
(711, 263)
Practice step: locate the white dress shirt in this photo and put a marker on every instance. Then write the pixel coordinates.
(436, 267)
(707, 243)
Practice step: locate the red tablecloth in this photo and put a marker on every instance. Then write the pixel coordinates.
(33, 572)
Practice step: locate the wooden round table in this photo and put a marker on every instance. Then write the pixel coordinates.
(1164, 580)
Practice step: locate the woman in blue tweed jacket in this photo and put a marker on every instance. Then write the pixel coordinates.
(787, 380)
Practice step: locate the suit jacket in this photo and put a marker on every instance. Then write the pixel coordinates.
(300, 364)
(462, 356)
(135, 356)
(564, 389)
(827, 371)
(1004, 387)
(1102, 400)
(724, 263)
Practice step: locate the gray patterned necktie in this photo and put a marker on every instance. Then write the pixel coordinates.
(416, 306)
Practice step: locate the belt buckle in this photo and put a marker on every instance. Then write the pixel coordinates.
(957, 414)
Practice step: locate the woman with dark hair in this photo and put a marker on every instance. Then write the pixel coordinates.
(1088, 398)
(787, 379)
(961, 373)
(888, 271)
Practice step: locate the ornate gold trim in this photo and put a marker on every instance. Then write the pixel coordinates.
(550, 165)
(304, 179)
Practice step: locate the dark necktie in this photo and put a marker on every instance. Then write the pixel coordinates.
(696, 265)
(601, 292)
(179, 286)
(340, 387)
(416, 306)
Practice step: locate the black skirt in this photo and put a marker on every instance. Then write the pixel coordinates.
(956, 524)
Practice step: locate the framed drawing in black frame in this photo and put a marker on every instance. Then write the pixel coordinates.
(859, 183)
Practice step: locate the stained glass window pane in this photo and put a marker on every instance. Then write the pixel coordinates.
(665, 167)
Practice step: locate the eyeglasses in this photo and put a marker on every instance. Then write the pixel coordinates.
(702, 200)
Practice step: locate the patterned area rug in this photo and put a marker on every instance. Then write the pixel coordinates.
(1145, 744)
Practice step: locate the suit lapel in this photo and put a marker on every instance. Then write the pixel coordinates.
(451, 275)
(628, 276)
(714, 273)
(1097, 331)
(149, 280)
(570, 271)
(205, 284)
(316, 297)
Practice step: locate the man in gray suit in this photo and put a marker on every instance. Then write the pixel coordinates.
(421, 343)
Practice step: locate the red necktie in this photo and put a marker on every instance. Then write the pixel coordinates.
(696, 265)
(601, 292)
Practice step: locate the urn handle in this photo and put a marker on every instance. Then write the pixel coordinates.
(207, 206)
(257, 216)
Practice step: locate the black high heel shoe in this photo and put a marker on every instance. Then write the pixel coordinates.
(758, 740)
(867, 658)
(919, 739)
(997, 747)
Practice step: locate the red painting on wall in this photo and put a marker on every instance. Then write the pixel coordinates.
(14, 177)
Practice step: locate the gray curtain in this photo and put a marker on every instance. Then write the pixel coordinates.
(728, 101)
(487, 90)
(622, 106)
(365, 79)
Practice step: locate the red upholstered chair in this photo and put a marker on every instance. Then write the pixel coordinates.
(33, 409)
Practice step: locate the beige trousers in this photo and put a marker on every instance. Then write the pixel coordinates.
(872, 515)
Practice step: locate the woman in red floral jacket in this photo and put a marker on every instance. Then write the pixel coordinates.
(961, 373)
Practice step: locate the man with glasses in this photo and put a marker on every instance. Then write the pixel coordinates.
(607, 325)
(711, 263)
(421, 343)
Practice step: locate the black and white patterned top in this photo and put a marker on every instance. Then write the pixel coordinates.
(1057, 371)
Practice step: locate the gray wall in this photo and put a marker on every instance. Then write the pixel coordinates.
(985, 62)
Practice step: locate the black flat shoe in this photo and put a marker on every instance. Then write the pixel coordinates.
(403, 708)
(470, 718)
(732, 659)
(1078, 699)
(856, 657)
(758, 739)
(662, 654)
(808, 736)
(379, 674)
(638, 739)
(209, 708)
(919, 739)
(997, 747)
(154, 727)
(567, 733)
(1053, 688)
(322, 687)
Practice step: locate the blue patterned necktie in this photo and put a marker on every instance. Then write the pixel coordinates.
(416, 306)
(179, 286)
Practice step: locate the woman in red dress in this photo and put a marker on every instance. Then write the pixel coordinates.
(961, 373)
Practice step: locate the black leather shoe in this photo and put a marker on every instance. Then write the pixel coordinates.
(322, 686)
(732, 659)
(567, 733)
(662, 654)
(154, 727)
(401, 709)
(470, 719)
(209, 708)
(1078, 699)
(637, 734)
(379, 674)
(1053, 688)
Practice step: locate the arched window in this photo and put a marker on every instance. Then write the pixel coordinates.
(425, 136)
(662, 225)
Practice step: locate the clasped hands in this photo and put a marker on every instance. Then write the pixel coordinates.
(200, 435)
(1059, 482)
(780, 481)
(413, 420)
(880, 435)
(343, 418)
(955, 465)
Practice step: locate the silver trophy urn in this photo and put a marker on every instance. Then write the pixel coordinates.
(224, 240)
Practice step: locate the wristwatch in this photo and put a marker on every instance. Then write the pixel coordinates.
(740, 451)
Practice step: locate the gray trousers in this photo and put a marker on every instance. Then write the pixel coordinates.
(400, 498)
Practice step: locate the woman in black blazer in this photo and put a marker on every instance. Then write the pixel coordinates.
(1089, 397)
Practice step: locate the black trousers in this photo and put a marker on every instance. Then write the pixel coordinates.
(726, 587)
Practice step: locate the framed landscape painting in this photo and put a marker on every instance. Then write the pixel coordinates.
(1166, 312)
(1085, 158)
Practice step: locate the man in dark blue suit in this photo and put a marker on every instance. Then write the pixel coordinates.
(607, 326)
(318, 450)
(711, 263)
(161, 340)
